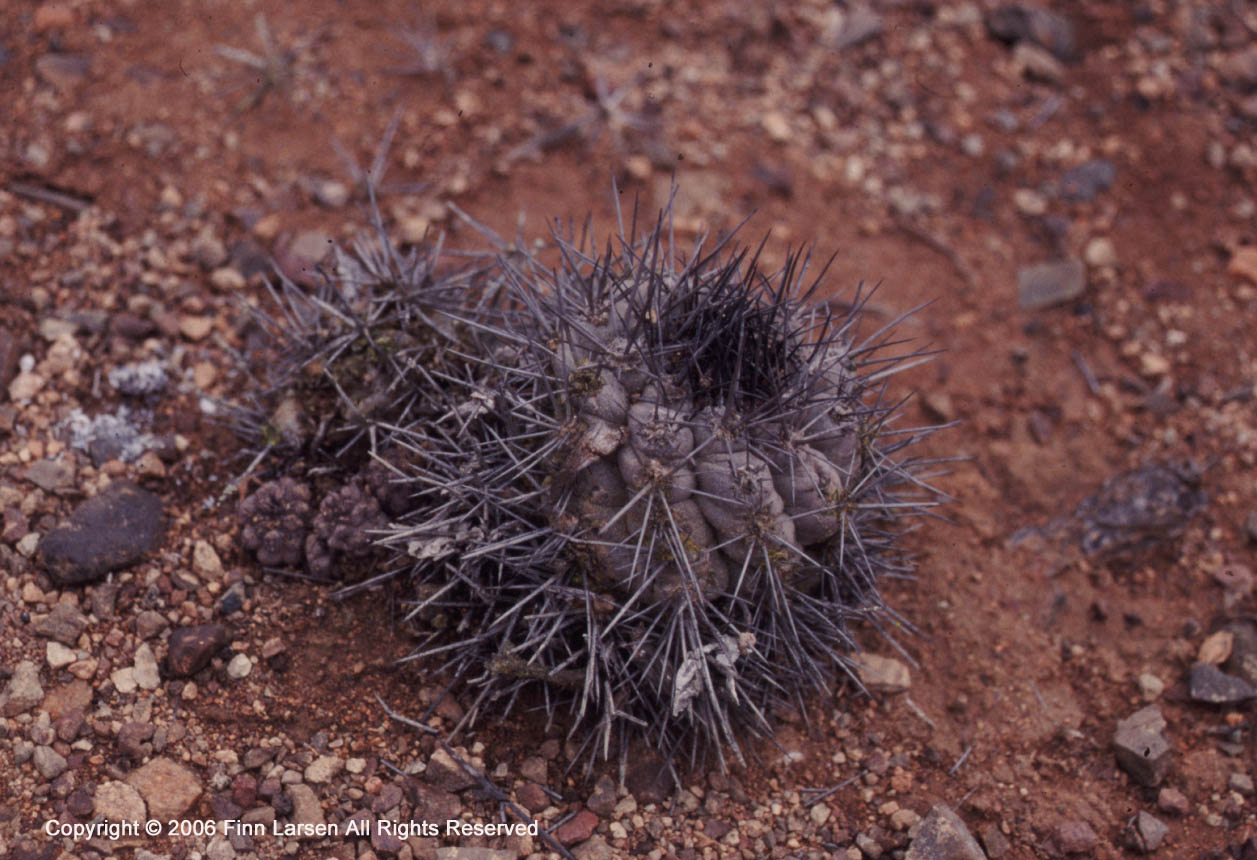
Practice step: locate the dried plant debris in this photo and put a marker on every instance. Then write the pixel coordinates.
(648, 491)
(116, 436)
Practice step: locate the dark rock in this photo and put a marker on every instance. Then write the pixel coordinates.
(16, 525)
(191, 648)
(446, 773)
(1140, 746)
(578, 828)
(716, 828)
(533, 797)
(131, 327)
(1076, 837)
(69, 725)
(1250, 526)
(1208, 683)
(384, 842)
(390, 795)
(63, 71)
(282, 804)
(1140, 508)
(1084, 182)
(132, 737)
(943, 836)
(244, 790)
(64, 623)
(433, 804)
(1242, 661)
(9, 353)
(534, 768)
(649, 779)
(1147, 832)
(104, 598)
(1045, 285)
(1026, 22)
(232, 600)
(602, 800)
(111, 531)
(224, 808)
(79, 803)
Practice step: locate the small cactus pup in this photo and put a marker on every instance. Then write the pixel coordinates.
(666, 498)
(368, 348)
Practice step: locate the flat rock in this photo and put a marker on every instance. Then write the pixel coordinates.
(323, 768)
(64, 624)
(109, 532)
(1076, 837)
(118, 801)
(170, 789)
(881, 674)
(50, 475)
(192, 648)
(23, 691)
(1084, 182)
(470, 853)
(1044, 285)
(306, 808)
(145, 669)
(1208, 683)
(944, 836)
(602, 800)
(578, 828)
(74, 696)
(1141, 748)
(445, 773)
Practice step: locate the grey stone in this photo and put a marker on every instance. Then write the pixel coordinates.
(944, 836)
(1076, 837)
(1027, 22)
(1084, 182)
(23, 691)
(111, 531)
(1148, 832)
(602, 800)
(63, 71)
(49, 762)
(1208, 683)
(1044, 285)
(50, 475)
(1141, 748)
(64, 624)
(593, 848)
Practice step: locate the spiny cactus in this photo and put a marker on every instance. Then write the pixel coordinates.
(647, 491)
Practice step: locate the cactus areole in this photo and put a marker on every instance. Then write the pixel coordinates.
(648, 491)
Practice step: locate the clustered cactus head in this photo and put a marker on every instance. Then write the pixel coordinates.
(646, 491)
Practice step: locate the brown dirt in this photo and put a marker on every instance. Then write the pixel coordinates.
(1020, 677)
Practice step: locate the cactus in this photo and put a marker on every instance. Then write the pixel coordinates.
(647, 492)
